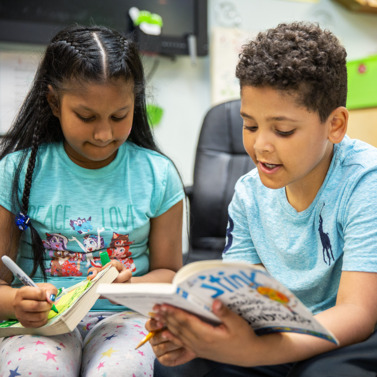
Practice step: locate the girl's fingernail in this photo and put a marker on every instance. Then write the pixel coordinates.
(90, 273)
(53, 298)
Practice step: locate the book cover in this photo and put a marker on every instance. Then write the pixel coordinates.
(249, 290)
(73, 304)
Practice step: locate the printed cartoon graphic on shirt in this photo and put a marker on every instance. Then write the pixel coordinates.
(81, 225)
(120, 249)
(77, 248)
(55, 241)
(328, 256)
(91, 243)
(63, 263)
(229, 236)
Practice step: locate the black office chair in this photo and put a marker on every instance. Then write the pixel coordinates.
(220, 160)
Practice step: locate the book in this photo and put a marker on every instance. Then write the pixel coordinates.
(249, 290)
(73, 304)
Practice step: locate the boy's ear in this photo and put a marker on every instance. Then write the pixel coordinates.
(338, 120)
(53, 101)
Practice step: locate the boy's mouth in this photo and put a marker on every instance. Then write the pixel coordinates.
(267, 167)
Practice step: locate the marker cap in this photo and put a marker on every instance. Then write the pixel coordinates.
(105, 259)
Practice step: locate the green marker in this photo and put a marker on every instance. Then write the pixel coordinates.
(105, 259)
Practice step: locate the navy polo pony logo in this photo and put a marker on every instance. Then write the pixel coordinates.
(325, 240)
(229, 235)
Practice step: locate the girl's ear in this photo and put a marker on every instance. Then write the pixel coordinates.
(338, 124)
(53, 101)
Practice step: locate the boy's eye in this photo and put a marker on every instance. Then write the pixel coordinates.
(250, 128)
(285, 133)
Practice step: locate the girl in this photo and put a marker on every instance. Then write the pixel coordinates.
(80, 173)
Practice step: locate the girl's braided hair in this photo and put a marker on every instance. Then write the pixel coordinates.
(75, 53)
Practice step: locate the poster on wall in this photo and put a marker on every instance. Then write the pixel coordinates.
(225, 47)
(17, 70)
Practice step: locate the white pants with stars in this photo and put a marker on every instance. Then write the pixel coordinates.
(102, 345)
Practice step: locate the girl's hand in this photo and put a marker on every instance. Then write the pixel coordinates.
(123, 277)
(124, 273)
(186, 337)
(32, 305)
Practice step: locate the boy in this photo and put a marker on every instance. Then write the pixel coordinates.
(307, 213)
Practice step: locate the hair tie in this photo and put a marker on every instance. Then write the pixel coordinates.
(22, 221)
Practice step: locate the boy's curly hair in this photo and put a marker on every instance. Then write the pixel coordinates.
(300, 58)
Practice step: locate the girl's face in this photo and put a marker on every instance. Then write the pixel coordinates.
(95, 119)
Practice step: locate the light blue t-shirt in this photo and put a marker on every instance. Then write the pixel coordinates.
(308, 250)
(79, 212)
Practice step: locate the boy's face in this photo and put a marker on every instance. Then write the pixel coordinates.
(288, 144)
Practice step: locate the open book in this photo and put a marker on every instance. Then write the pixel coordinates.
(248, 290)
(73, 304)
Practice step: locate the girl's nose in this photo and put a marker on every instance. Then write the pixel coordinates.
(103, 132)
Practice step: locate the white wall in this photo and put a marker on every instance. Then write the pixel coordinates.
(184, 90)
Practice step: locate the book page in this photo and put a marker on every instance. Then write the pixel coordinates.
(65, 300)
(69, 296)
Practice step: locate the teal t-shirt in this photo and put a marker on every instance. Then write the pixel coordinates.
(80, 212)
(307, 251)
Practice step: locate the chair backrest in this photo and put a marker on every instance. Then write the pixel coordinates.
(220, 160)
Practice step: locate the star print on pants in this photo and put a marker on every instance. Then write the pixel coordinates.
(14, 373)
(49, 356)
(109, 352)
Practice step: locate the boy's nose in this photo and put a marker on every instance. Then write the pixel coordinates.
(263, 143)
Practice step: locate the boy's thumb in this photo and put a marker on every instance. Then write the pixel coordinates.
(227, 316)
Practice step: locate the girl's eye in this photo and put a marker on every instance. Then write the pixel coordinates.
(118, 119)
(285, 133)
(85, 119)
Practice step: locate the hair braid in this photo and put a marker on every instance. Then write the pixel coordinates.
(29, 172)
(37, 244)
(73, 46)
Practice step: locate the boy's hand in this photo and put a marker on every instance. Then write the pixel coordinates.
(124, 273)
(167, 352)
(32, 305)
(188, 337)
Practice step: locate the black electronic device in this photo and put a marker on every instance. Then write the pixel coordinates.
(184, 30)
